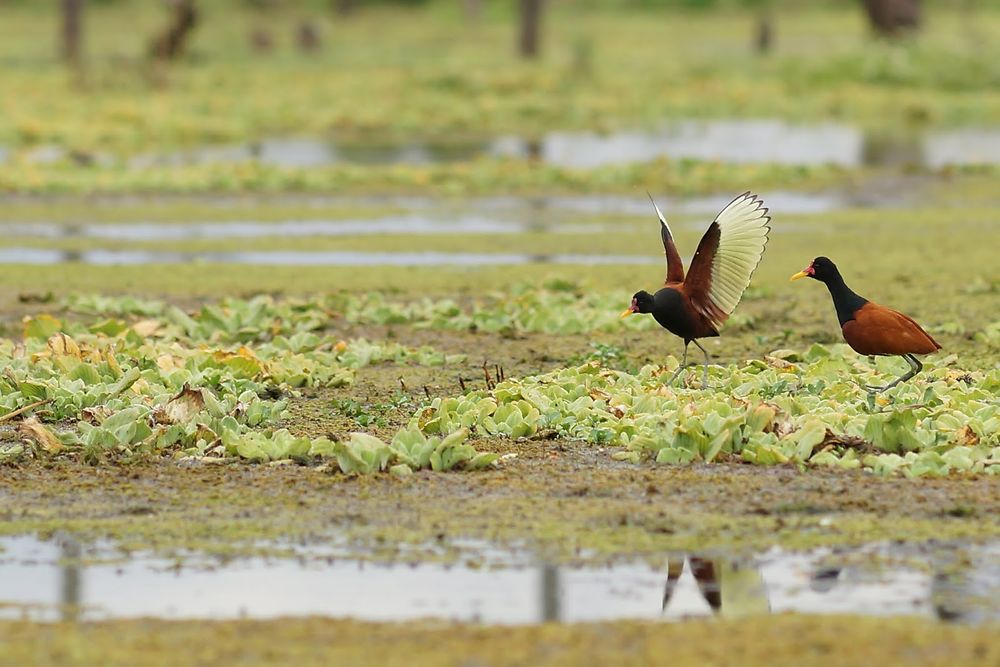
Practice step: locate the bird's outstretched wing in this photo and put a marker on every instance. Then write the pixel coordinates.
(727, 256)
(675, 267)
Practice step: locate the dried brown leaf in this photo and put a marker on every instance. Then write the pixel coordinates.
(181, 408)
(34, 430)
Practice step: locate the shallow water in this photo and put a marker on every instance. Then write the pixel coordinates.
(730, 141)
(494, 215)
(501, 215)
(44, 580)
(735, 141)
(106, 257)
(416, 225)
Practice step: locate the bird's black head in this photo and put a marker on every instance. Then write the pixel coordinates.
(821, 269)
(642, 302)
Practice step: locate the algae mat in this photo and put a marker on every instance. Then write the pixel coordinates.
(781, 640)
(566, 501)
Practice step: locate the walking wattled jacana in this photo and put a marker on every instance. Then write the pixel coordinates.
(695, 306)
(869, 328)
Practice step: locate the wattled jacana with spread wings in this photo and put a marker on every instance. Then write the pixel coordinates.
(695, 306)
(869, 328)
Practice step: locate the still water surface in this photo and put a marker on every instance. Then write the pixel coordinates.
(45, 580)
(734, 141)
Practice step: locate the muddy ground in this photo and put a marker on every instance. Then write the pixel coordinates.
(570, 501)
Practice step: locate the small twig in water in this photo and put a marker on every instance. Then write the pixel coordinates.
(461, 383)
(427, 392)
(31, 406)
(403, 385)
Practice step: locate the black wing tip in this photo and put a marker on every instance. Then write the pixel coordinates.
(746, 195)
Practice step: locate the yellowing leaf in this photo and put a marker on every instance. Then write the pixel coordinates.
(146, 328)
(41, 326)
(34, 430)
(61, 344)
(109, 356)
(168, 362)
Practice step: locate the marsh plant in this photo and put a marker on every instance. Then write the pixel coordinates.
(130, 377)
(809, 412)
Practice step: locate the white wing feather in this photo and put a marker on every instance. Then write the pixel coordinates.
(659, 214)
(743, 229)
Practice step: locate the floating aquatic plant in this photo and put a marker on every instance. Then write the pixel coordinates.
(211, 383)
(806, 408)
(771, 411)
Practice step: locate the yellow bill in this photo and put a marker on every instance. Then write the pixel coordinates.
(800, 274)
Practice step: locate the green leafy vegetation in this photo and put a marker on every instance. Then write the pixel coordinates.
(807, 409)
(564, 310)
(199, 383)
(210, 421)
(409, 450)
(212, 383)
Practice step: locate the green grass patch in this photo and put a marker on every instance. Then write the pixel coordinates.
(481, 176)
(390, 73)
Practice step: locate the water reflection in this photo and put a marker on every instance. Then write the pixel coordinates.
(732, 141)
(960, 586)
(730, 586)
(105, 257)
(752, 141)
(407, 225)
(70, 597)
(553, 215)
(735, 141)
(963, 147)
(46, 580)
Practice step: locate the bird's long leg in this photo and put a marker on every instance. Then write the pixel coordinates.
(684, 363)
(915, 367)
(708, 360)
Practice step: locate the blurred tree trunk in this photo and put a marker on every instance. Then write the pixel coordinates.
(72, 29)
(890, 17)
(343, 7)
(473, 9)
(764, 34)
(530, 29)
(169, 44)
(261, 40)
(307, 37)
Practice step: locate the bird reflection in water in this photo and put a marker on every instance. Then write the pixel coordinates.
(959, 588)
(732, 587)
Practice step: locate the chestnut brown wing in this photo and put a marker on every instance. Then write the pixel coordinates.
(876, 329)
(726, 258)
(675, 267)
